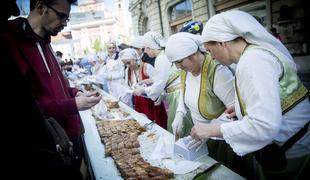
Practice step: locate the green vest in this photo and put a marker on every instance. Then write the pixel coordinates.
(292, 91)
(209, 105)
(174, 75)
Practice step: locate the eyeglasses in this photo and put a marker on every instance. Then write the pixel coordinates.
(181, 60)
(62, 16)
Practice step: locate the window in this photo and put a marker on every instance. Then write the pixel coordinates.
(257, 10)
(144, 26)
(180, 13)
(181, 9)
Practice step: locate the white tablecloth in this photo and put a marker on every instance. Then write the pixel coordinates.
(104, 167)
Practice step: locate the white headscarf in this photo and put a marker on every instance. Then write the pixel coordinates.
(137, 42)
(129, 53)
(153, 40)
(182, 45)
(230, 25)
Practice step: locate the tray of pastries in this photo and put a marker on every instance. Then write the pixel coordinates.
(120, 138)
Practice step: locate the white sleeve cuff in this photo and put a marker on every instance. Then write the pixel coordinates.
(148, 93)
(229, 130)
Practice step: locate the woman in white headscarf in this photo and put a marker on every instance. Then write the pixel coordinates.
(137, 71)
(131, 60)
(137, 44)
(272, 104)
(206, 91)
(165, 80)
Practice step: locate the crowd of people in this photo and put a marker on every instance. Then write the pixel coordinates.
(247, 115)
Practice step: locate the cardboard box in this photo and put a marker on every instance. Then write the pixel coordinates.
(180, 149)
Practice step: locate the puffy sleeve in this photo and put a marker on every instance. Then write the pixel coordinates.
(257, 76)
(160, 77)
(181, 106)
(149, 69)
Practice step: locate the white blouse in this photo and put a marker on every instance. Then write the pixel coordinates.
(223, 88)
(258, 74)
(162, 68)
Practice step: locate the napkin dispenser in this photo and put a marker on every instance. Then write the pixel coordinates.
(180, 149)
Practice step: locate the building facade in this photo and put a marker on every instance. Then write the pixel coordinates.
(91, 26)
(285, 18)
(165, 16)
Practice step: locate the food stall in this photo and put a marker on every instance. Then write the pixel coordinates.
(104, 167)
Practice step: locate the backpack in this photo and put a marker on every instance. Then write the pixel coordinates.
(63, 145)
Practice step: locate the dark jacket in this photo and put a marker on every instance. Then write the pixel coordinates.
(51, 90)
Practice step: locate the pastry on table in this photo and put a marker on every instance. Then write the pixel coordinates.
(120, 138)
(111, 104)
(89, 87)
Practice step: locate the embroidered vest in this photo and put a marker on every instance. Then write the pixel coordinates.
(174, 75)
(292, 91)
(209, 105)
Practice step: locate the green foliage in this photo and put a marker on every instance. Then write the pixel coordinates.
(97, 45)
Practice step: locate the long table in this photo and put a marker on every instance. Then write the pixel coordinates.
(104, 167)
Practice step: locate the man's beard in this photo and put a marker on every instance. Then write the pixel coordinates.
(53, 33)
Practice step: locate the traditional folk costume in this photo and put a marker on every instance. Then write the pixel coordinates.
(173, 89)
(205, 97)
(165, 78)
(142, 104)
(272, 105)
(113, 73)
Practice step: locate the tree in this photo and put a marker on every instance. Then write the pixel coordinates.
(97, 45)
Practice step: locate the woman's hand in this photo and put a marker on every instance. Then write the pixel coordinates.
(231, 113)
(148, 82)
(205, 131)
(138, 91)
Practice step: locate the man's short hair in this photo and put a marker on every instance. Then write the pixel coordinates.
(48, 2)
